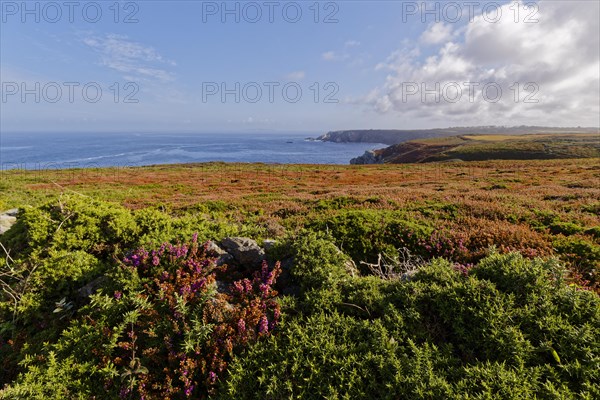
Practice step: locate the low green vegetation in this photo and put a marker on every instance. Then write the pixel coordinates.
(455, 280)
(100, 301)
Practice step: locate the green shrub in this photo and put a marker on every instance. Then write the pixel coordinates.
(334, 356)
(593, 232)
(318, 268)
(593, 208)
(582, 255)
(363, 234)
(508, 328)
(566, 228)
(337, 203)
(516, 275)
(57, 379)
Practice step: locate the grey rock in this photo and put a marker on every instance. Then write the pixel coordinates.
(268, 244)
(370, 157)
(13, 212)
(92, 287)
(225, 259)
(8, 219)
(214, 249)
(222, 256)
(244, 251)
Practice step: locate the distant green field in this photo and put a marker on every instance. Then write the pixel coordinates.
(494, 147)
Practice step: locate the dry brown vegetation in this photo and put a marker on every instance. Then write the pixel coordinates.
(493, 188)
(534, 207)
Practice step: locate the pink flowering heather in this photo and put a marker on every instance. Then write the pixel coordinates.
(263, 326)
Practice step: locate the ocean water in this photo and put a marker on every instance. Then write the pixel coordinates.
(87, 150)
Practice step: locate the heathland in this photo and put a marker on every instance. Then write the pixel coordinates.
(439, 280)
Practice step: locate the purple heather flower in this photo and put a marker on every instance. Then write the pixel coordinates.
(180, 251)
(237, 287)
(241, 326)
(118, 294)
(264, 289)
(124, 392)
(155, 261)
(263, 325)
(264, 271)
(185, 289)
(195, 237)
(198, 284)
(212, 377)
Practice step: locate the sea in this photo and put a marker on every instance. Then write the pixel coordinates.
(92, 150)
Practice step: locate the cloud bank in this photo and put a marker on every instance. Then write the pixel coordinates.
(119, 53)
(505, 73)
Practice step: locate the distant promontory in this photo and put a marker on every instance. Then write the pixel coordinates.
(396, 136)
(388, 137)
(471, 144)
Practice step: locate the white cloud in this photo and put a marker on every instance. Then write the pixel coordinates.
(347, 54)
(295, 76)
(437, 33)
(560, 54)
(329, 56)
(256, 121)
(123, 55)
(334, 56)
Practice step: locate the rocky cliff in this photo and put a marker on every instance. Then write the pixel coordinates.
(388, 137)
(486, 147)
(370, 157)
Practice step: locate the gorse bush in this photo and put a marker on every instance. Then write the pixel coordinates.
(366, 234)
(331, 356)
(509, 328)
(318, 268)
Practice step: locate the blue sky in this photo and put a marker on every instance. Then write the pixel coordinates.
(365, 55)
